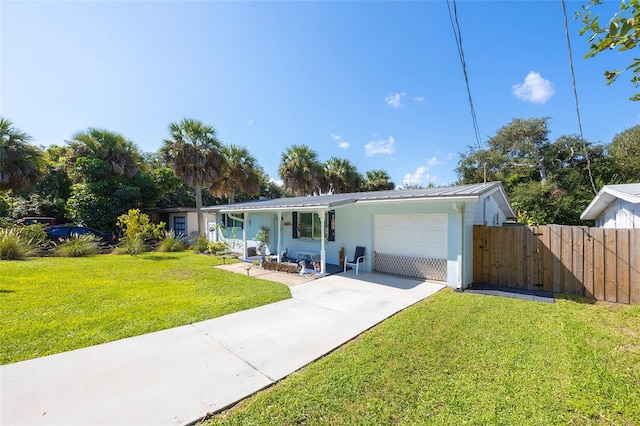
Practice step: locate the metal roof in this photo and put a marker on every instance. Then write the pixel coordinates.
(327, 202)
(608, 194)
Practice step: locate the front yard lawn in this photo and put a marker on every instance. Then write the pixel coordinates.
(51, 305)
(469, 359)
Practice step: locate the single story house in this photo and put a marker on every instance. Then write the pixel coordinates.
(424, 233)
(615, 206)
(180, 220)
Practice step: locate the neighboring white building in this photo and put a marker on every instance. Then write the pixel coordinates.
(615, 206)
(180, 220)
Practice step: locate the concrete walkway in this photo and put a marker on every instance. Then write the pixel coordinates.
(176, 376)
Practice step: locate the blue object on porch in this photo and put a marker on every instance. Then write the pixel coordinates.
(358, 258)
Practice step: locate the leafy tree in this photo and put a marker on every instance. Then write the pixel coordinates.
(547, 182)
(300, 170)
(377, 180)
(108, 179)
(240, 173)
(195, 155)
(341, 176)
(4, 205)
(120, 155)
(411, 185)
(32, 204)
(270, 189)
(20, 162)
(55, 184)
(624, 151)
(622, 32)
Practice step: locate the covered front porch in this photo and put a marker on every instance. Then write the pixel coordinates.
(300, 230)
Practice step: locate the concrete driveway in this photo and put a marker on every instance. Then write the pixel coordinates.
(176, 376)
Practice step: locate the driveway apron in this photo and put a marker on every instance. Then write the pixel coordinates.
(176, 376)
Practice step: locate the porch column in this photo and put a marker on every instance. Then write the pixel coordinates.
(459, 207)
(244, 235)
(279, 232)
(323, 268)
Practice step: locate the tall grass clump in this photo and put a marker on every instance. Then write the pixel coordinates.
(171, 243)
(18, 242)
(11, 247)
(79, 246)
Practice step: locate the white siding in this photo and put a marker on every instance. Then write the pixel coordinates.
(621, 214)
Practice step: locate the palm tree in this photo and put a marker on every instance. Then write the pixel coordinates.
(195, 155)
(300, 170)
(240, 174)
(341, 176)
(377, 180)
(119, 153)
(20, 162)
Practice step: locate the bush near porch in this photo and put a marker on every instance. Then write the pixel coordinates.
(50, 305)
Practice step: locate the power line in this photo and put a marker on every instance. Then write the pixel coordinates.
(575, 95)
(458, 36)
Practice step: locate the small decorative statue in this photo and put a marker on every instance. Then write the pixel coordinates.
(303, 267)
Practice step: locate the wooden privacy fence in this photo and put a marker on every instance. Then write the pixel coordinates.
(593, 262)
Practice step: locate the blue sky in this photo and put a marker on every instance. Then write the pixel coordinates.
(378, 83)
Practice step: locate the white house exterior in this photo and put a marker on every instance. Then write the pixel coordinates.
(426, 233)
(181, 220)
(615, 206)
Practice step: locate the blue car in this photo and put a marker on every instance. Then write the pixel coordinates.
(61, 232)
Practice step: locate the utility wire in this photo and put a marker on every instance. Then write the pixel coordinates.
(575, 95)
(458, 36)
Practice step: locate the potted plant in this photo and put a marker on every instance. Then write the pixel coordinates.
(262, 237)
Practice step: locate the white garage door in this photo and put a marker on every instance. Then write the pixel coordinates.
(411, 245)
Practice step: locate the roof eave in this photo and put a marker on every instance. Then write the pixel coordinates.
(462, 198)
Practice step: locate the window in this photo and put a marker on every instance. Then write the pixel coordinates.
(309, 226)
(232, 223)
(180, 224)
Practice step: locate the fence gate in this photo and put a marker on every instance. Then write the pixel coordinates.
(593, 262)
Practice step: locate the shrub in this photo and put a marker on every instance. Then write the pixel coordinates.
(288, 267)
(171, 243)
(218, 247)
(132, 245)
(138, 232)
(34, 234)
(17, 242)
(11, 246)
(82, 245)
(201, 244)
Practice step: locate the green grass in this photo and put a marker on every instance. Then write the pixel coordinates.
(51, 305)
(469, 359)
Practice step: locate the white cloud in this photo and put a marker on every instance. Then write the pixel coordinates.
(278, 182)
(395, 99)
(249, 122)
(451, 156)
(341, 143)
(433, 161)
(380, 147)
(419, 177)
(419, 99)
(534, 89)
